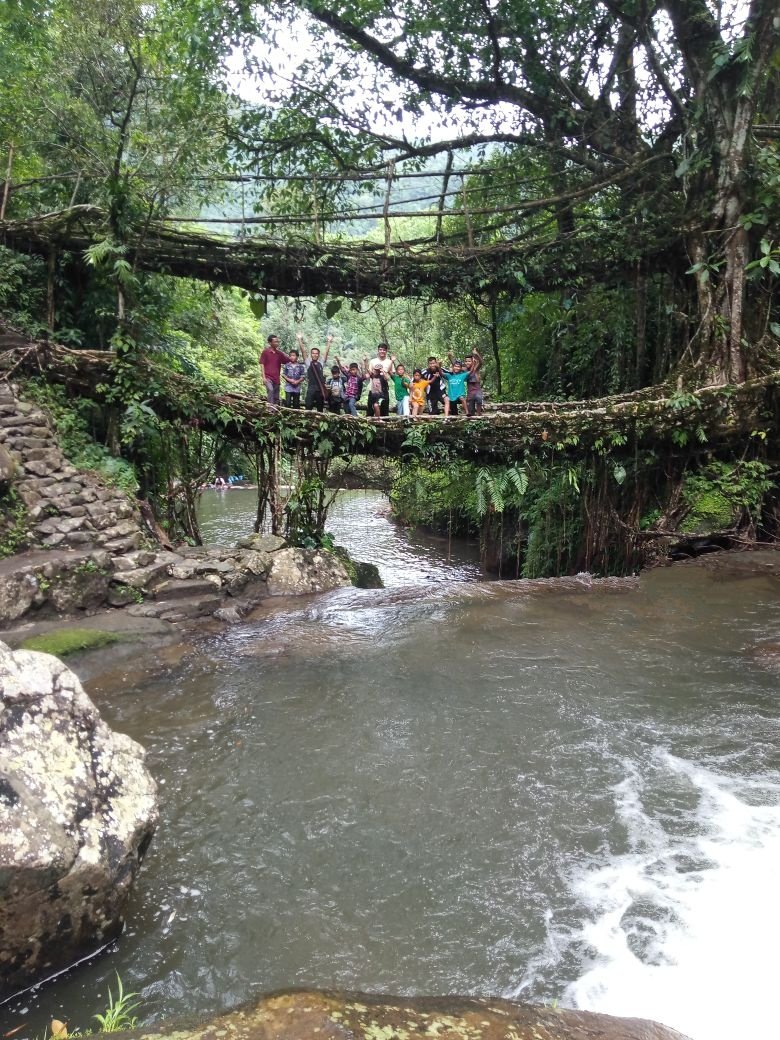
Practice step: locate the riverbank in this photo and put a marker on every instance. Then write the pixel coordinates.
(360, 520)
(550, 790)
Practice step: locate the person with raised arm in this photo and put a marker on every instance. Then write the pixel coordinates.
(456, 377)
(401, 384)
(436, 394)
(419, 385)
(315, 375)
(385, 361)
(474, 396)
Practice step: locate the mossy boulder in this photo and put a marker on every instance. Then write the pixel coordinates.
(362, 575)
(367, 576)
(718, 497)
(317, 1015)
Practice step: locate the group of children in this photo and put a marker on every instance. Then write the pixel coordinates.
(434, 390)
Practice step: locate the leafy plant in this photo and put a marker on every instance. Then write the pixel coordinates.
(717, 497)
(118, 1015)
(13, 523)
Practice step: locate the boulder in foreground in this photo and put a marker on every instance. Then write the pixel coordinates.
(78, 809)
(325, 1015)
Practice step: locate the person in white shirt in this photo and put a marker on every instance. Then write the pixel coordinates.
(384, 359)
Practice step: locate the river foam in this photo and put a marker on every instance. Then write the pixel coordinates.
(683, 926)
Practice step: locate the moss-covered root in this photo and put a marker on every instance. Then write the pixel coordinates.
(64, 641)
(314, 1015)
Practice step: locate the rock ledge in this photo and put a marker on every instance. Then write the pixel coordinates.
(324, 1015)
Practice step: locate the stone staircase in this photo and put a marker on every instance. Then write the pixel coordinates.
(87, 547)
(67, 509)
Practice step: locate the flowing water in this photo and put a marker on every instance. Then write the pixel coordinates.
(556, 792)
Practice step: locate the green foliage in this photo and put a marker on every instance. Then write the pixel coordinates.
(306, 512)
(540, 507)
(66, 641)
(497, 488)
(555, 522)
(720, 496)
(432, 497)
(22, 290)
(13, 524)
(75, 419)
(118, 1015)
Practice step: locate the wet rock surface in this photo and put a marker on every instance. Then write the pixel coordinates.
(305, 570)
(53, 582)
(310, 1014)
(78, 809)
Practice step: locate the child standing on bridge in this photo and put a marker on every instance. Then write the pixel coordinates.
(419, 386)
(353, 386)
(456, 386)
(294, 374)
(474, 398)
(335, 389)
(401, 384)
(378, 393)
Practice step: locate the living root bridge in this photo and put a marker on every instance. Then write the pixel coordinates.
(296, 266)
(704, 419)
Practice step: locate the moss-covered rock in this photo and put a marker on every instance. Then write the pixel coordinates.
(316, 1015)
(717, 497)
(367, 576)
(362, 575)
(64, 641)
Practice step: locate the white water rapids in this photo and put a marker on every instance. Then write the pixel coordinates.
(563, 793)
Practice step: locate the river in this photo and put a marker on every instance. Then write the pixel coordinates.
(565, 794)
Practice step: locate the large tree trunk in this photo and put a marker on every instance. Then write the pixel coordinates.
(728, 93)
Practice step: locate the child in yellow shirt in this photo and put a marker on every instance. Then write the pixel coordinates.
(418, 391)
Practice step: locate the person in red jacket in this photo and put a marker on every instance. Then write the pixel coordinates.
(271, 361)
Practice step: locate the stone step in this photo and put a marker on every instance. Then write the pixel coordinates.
(200, 606)
(177, 610)
(183, 588)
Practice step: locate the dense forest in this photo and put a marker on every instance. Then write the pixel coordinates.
(587, 194)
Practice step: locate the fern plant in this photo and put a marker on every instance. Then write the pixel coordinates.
(498, 487)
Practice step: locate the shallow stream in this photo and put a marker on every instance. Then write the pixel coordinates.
(553, 792)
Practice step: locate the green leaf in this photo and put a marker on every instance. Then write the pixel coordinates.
(333, 307)
(257, 307)
(619, 473)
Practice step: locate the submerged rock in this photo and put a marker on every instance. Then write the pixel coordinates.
(309, 1014)
(78, 809)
